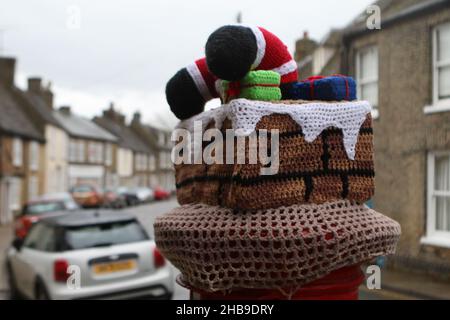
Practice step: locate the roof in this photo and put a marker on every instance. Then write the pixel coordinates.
(153, 135)
(13, 119)
(88, 217)
(41, 107)
(392, 12)
(81, 127)
(126, 138)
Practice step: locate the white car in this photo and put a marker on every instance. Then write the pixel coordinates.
(88, 255)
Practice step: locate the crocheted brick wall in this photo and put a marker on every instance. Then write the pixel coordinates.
(219, 249)
(309, 172)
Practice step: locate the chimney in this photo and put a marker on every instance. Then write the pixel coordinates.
(137, 117)
(65, 110)
(7, 69)
(113, 115)
(35, 85)
(305, 34)
(47, 95)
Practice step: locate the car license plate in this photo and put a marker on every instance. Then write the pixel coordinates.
(118, 266)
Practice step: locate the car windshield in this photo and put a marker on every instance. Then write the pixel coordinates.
(105, 234)
(43, 207)
(82, 189)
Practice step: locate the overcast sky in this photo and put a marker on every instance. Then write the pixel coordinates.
(125, 51)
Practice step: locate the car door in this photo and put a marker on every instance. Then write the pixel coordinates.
(31, 257)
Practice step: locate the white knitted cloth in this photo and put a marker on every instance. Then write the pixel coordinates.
(312, 117)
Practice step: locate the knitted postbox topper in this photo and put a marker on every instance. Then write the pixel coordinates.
(231, 52)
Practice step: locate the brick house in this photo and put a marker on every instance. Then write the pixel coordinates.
(404, 71)
(38, 103)
(91, 157)
(133, 154)
(21, 148)
(161, 167)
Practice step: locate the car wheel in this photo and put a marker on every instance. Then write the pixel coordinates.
(41, 291)
(13, 291)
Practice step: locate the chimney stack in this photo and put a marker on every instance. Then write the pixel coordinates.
(35, 85)
(137, 117)
(114, 115)
(65, 110)
(7, 69)
(47, 95)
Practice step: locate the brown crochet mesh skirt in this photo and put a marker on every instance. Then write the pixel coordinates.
(219, 249)
(315, 172)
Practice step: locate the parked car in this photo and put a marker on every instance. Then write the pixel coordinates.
(87, 196)
(42, 207)
(161, 194)
(144, 194)
(109, 252)
(131, 197)
(113, 199)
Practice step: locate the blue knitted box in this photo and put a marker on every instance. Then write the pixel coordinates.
(333, 88)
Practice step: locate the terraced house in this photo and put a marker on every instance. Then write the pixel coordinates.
(38, 102)
(91, 150)
(133, 154)
(21, 148)
(160, 165)
(404, 71)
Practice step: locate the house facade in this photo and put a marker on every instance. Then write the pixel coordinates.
(161, 170)
(404, 71)
(133, 154)
(21, 148)
(90, 152)
(39, 105)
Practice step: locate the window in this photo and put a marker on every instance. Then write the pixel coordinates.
(441, 64)
(106, 234)
(76, 150)
(162, 160)
(367, 76)
(41, 238)
(438, 202)
(161, 138)
(151, 163)
(80, 151)
(34, 155)
(33, 187)
(95, 152)
(17, 152)
(15, 194)
(108, 154)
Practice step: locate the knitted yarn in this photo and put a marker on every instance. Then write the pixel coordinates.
(230, 52)
(181, 91)
(259, 85)
(219, 249)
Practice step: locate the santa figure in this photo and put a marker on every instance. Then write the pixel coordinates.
(231, 52)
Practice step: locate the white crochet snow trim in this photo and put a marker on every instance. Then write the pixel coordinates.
(312, 117)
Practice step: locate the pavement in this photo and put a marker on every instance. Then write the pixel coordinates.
(395, 285)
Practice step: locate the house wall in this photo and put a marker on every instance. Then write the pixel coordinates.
(404, 134)
(125, 165)
(15, 181)
(56, 159)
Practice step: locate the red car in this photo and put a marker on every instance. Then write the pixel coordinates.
(161, 194)
(42, 207)
(87, 196)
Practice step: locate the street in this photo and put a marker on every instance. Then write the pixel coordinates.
(146, 215)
